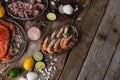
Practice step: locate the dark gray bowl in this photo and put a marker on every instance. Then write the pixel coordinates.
(19, 31)
(30, 18)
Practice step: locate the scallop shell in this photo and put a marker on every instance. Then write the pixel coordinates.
(68, 9)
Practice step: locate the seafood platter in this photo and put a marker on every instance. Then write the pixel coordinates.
(13, 41)
(60, 40)
(29, 40)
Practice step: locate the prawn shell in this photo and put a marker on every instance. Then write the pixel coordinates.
(53, 35)
(66, 41)
(50, 48)
(57, 47)
(45, 44)
(69, 46)
(60, 32)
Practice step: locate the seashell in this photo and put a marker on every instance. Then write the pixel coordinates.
(68, 9)
(32, 76)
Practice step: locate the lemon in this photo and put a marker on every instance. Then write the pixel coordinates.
(28, 63)
(2, 11)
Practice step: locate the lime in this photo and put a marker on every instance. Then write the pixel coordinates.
(40, 65)
(51, 16)
(28, 63)
(14, 72)
(38, 56)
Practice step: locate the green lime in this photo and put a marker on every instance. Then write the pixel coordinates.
(40, 65)
(51, 16)
(38, 56)
(14, 72)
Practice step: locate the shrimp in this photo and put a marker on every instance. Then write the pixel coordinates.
(59, 34)
(53, 35)
(50, 49)
(57, 47)
(65, 31)
(66, 41)
(45, 44)
(69, 46)
(62, 41)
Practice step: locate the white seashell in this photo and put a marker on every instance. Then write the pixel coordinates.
(68, 9)
(32, 76)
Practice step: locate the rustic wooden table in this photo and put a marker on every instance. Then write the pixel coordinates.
(96, 56)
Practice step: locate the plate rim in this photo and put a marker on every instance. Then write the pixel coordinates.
(25, 41)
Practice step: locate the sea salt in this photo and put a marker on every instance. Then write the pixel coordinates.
(76, 8)
(55, 59)
(52, 63)
(51, 57)
(50, 68)
(55, 68)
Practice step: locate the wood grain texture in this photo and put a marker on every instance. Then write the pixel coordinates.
(88, 30)
(96, 56)
(104, 45)
(77, 22)
(113, 72)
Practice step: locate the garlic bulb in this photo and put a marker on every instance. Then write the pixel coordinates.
(68, 9)
(32, 76)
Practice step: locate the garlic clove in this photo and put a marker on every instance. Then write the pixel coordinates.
(68, 9)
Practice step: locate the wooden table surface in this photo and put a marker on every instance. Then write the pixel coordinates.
(96, 56)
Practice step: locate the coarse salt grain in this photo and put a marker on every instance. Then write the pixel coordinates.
(55, 59)
(52, 63)
(51, 57)
(50, 69)
(54, 67)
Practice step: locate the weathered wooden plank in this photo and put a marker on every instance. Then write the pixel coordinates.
(88, 30)
(113, 72)
(78, 22)
(103, 46)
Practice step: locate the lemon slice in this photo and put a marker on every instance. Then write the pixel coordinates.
(38, 56)
(51, 16)
(39, 65)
